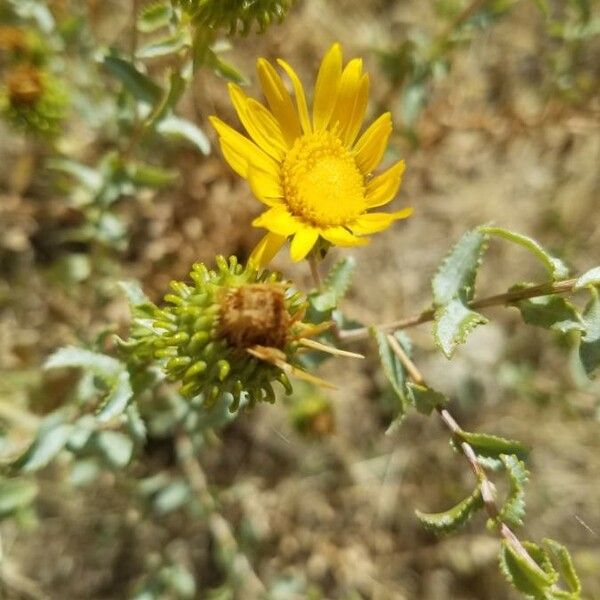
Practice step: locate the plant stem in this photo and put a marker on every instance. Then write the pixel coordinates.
(313, 263)
(486, 486)
(236, 562)
(544, 289)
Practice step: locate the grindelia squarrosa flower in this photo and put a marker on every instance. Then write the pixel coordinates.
(312, 171)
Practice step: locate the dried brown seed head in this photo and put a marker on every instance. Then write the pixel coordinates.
(254, 315)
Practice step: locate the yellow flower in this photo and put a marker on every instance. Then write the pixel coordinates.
(311, 172)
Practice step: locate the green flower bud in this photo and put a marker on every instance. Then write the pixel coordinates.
(233, 330)
(235, 15)
(33, 100)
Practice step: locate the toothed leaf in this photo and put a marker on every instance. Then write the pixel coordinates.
(426, 399)
(513, 511)
(452, 519)
(456, 276)
(550, 312)
(490, 447)
(535, 580)
(555, 267)
(453, 323)
(565, 566)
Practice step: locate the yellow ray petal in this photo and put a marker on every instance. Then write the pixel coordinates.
(303, 242)
(300, 95)
(242, 150)
(279, 100)
(371, 146)
(374, 222)
(278, 220)
(259, 123)
(350, 84)
(381, 189)
(265, 186)
(356, 117)
(326, 87)
(266, 249)
(339, 236)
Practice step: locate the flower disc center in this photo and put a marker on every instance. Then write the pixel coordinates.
(322, 183)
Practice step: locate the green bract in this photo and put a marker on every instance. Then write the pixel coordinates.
(235, 15)
(233, 330)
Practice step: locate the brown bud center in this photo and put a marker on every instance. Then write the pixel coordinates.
(24, 85)
(254, 315)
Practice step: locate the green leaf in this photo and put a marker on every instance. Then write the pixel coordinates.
(456, 276)
(177, 85)
(591, 277)
(589, 345)
(550, 312)
(426, 399)
(555, 267)
(491, 447)
(117, 399)
(335, 285)
(452, 519)
(565, 565)
(151, 176)
(165, 46)
(534, 580)
(171, 497)
(52, 436)
(513, 510)
(224, 69)
(137, 84)
(86, 176)
(116, 447)
(16, 494)
(392, 367)
(181, 128)
(73, 357)
(134, 293)
(154, 16)
(453, 323)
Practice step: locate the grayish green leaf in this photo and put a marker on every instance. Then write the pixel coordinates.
(452, 519)
(456, 276)
(453, 323)
(555, 267)
(71, 356)
(154, 16)
(165, 46)
(550, 312)
(116, 447)
(117, 399)
(513, 510)
(177, 127)
(492, 446)
(171, 497)
(151, 176)
(591, 277)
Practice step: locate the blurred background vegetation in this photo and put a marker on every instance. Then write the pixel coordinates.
(497, 113)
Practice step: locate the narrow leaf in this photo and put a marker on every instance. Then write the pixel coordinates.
(117, 399)
(555, 267)
(452, 519)
(116, 447)
(565, 565)
(100, 364)
(177, 127)
(137, 84)
(335, 286)
(456, 276)
(453, 323)
(163, 47)
(154, 16)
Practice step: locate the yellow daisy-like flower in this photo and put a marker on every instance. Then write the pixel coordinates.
(311, 171)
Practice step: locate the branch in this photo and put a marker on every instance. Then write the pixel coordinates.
(544, 289)
(486, 486)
